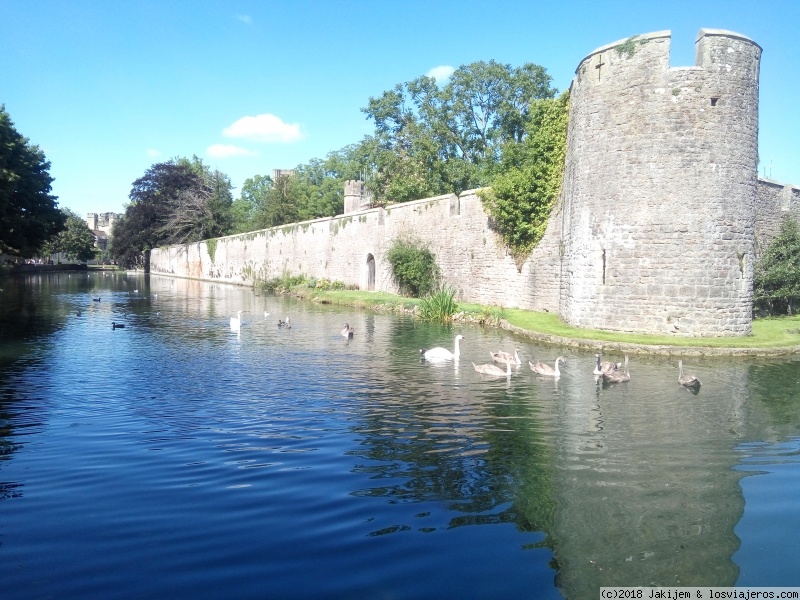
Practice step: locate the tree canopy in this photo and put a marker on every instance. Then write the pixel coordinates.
(431, 140)
(75, 241)
(175, 202)
(777, 273)
(29, 213)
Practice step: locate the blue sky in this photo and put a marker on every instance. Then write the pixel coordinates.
(109, 87)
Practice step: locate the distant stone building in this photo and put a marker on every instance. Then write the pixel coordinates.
(102, 225)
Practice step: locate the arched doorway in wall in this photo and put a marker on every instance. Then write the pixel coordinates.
(370, 273)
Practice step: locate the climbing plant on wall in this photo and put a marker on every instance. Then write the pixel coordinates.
(523, 194)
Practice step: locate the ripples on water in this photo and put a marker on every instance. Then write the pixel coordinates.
(176, 457)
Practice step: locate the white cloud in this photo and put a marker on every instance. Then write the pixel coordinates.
(246, 19)
(152, 153)
(441, 73)
(264, 128)
(228, 150)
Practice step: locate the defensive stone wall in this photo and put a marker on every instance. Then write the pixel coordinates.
(661, 219)
(660, 187)
(775, 203)
(352, 248)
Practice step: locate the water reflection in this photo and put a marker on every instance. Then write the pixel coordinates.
(359, 444)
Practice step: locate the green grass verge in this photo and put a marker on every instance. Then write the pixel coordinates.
(779, 332)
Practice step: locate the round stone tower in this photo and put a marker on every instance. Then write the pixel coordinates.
(660, 186)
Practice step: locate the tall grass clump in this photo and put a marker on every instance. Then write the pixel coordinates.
(439, 306)
(414, 267)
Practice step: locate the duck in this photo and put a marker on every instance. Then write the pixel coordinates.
(95, 299)
(546, 370)
(493, 370)
(689, 381)
(236, 322)
(78, 313)
(604, 366)
(504, 357)
(115, 325)
(618, 376)
(440, 353)
(347, 331)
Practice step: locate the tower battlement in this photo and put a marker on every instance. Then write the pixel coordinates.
(660, 186)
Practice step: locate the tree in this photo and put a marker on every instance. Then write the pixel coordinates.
(528, 182)
(431, 140)
(250, 210)
(28, 212)
(175, 202)
(76, 241)
(777, 273)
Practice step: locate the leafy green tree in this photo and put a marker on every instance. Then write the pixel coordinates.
(29, 213)
(777, 273)
(431, 140)
(175, 202)
(76, 241)
(528, 182)
(251, 208)
(282, 202)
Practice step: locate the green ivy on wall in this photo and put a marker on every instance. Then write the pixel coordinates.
(523, 194)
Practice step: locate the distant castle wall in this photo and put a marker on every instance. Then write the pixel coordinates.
(775, 203)
(352, 248)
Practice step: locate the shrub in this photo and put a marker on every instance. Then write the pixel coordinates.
(414, 267)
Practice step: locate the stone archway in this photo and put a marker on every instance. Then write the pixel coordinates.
(370, 273)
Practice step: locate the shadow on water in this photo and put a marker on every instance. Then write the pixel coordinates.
(362, 445)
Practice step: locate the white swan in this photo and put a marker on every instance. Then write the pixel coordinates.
(689, 381)
(618, 376)
(541, 368)
(236, 322)
(439, 353)
(604, 366)
(494, 370)
(347, 331)
(504, 357)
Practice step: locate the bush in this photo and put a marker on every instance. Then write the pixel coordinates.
(414, 268)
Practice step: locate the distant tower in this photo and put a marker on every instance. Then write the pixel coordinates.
(353, 191)
(660, 186)
(91, 221)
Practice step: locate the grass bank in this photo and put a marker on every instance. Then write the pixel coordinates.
(770, 336)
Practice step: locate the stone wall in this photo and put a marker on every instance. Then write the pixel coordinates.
(471, 256)
(659, 188)
(657, 231)
(775, 202)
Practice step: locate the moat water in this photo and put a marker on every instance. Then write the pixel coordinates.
(177, 459)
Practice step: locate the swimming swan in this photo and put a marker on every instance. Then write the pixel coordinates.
(604, 366)
(443, 353)
(689, 381)
(236, 322)
(541, 368)
(347, 331)
(504, 357)
(494, 370)
(618, 376)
